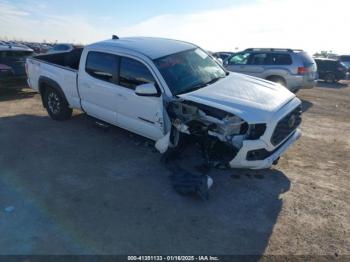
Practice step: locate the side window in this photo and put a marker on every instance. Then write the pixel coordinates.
(102, 66)
(280, 59)
(258, 59)
(239, 59)
(133, 73)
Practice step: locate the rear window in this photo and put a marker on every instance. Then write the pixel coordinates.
(102, 66)
(326, 64)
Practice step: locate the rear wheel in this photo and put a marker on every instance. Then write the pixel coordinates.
(56, 105)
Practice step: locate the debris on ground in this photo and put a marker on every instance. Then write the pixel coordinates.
(186, 183)
(102, 125)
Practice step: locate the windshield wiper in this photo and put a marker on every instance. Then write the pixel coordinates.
(193, 88)
(201, 85)
(215, 79)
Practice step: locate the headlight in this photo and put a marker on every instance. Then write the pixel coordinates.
(233, 125)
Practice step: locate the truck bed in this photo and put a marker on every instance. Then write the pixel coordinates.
(60, 68)
(66, 59)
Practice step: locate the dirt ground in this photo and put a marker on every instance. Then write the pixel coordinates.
(72, 188)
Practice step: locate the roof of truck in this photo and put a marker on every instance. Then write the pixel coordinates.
(149, 46)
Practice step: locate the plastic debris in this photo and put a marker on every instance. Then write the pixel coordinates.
(163, 143)
(186, 183)
(101, 125)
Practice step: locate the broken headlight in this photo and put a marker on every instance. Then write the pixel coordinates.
(233, 125)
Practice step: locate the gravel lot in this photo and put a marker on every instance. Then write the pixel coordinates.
(72, 188)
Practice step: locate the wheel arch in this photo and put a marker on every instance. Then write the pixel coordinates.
(44, 83)
(274, 76)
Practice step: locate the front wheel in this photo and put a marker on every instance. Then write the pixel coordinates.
(56, 105)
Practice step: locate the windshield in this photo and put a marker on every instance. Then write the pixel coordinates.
(190, 70)
(346, 63)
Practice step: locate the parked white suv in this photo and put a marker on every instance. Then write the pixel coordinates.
(166, 89)
(292, 68)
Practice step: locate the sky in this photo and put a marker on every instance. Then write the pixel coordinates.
(220, 25)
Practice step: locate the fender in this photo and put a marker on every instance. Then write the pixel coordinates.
(47, 82)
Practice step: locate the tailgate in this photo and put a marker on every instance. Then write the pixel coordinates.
(33, 73)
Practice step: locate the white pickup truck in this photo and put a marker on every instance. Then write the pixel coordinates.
(167, 90)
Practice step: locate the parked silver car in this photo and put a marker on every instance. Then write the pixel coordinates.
(292, 68)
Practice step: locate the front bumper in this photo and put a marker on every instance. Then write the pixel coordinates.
(240, 160)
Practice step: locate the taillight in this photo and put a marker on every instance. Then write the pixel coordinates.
(302, 70)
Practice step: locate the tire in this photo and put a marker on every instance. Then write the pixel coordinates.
(330, 78)
(56, 105)
(277, 80)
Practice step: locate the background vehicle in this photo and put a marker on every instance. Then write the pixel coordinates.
(331, 70)
(223, 55)
(38, 47)
(294, 69)
(165, 89)
(345, 59)
(12, 66)
(63, 48)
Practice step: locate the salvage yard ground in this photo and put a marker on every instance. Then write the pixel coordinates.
(72, 188)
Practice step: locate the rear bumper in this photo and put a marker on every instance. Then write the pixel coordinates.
(240, 160)
(296, 82)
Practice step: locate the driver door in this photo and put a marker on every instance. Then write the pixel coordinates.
(140, 114)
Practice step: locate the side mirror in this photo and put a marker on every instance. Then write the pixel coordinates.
(225, 63)
(148, 89)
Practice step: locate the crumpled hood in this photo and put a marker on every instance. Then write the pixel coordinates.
(253, 99)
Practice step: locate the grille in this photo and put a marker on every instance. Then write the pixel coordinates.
(286, 126)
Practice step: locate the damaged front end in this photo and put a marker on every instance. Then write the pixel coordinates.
(220, 134)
